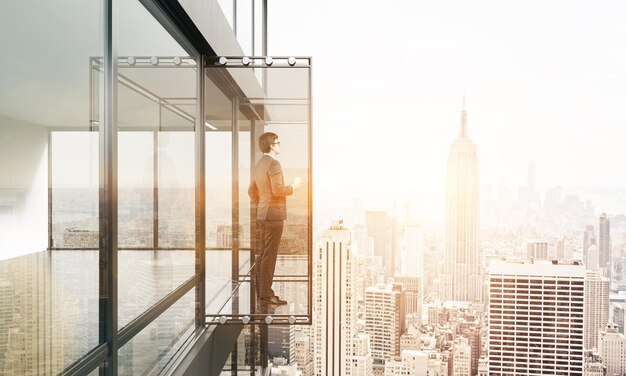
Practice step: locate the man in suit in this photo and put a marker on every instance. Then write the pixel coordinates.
(268, 191)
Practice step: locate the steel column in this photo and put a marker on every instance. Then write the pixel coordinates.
(235, 216)
(108, 198)
(200, 173)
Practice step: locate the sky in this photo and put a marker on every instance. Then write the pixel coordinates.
(543, 81)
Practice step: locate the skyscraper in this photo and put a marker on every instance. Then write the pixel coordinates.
(596, 307)
(413, 293)
(604, 243)
(379, 229)
(335, 303)
(384, 321)
(536, 318)
(461, 278)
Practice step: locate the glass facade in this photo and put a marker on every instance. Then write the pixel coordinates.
(48, 185)
(125, 222)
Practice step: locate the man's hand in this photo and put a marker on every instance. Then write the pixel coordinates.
(297, 182)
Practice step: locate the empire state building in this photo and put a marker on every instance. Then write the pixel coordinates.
(461, 279)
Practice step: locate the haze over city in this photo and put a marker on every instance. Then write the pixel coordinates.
(313, 188)
(543, 82)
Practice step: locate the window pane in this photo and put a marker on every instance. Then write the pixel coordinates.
(150, 349)
(156, 112)
(48, 184)
(75, 189)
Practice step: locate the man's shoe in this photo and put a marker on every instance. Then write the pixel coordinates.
(279, 300)
(273, 300)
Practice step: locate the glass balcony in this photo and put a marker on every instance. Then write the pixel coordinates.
(240, 110)
(125, 160)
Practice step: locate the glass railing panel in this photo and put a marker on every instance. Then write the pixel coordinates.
(219, 284)
(236, 305)
(221, 289)
(150, 350)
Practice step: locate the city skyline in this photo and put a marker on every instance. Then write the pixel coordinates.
(416, 244)
(550, 93)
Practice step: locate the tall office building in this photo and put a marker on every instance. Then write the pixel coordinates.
(413, 293)
(537, 250)
(335, 303)
(604, 243)
(612, 349)
(384, 320)
(461, 280)
(535, 318)
(596, 307)
(380, 230)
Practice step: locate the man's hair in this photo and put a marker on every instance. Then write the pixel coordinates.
(266, 140)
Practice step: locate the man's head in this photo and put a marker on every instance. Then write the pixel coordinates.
(268, 143)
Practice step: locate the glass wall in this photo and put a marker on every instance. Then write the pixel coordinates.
(48, 176)
(156, 112)
(65, 292)
(149, 351)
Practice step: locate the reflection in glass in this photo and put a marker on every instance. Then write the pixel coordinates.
(48, 184)
(74, 189)
(48, 310)
(145, 277)
(151, 348)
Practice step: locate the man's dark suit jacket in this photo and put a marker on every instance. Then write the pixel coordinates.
(268, 190)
